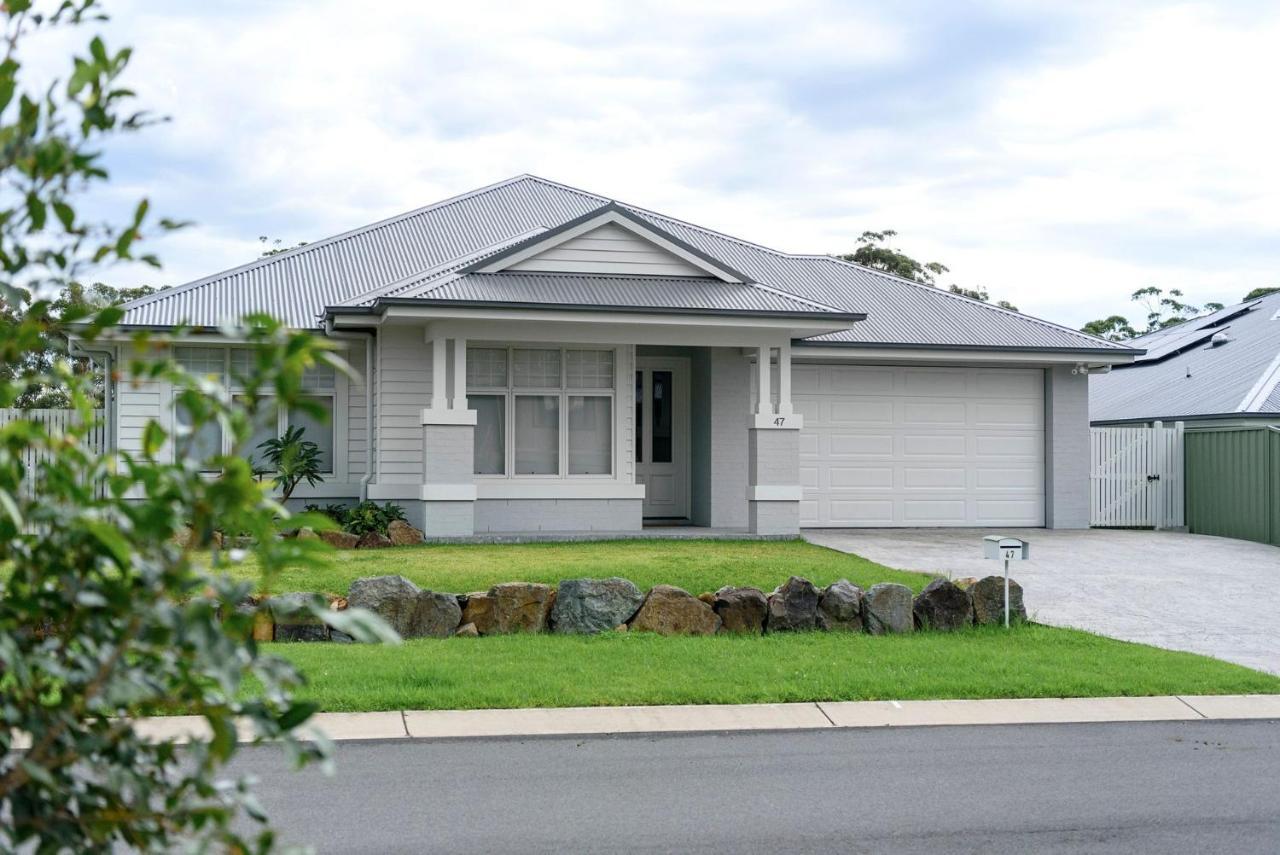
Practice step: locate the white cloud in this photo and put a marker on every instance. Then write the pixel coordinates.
(1061, 164)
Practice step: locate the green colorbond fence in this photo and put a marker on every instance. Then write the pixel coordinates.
(1233, 483)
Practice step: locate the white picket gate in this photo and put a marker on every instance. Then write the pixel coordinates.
(57, 421)
(1137, 477)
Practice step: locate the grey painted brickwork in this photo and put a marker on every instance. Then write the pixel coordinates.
(520, 515)
(774, 518)
(449, 460)
(450, 454)
(774, 457)
(1066, 401)
(774, 460)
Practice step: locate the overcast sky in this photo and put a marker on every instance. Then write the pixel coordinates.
(1060, 155)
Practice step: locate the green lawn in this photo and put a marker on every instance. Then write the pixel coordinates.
(696, 565)
(626, 668)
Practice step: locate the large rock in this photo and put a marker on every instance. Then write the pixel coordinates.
(988, 601)
(293, 621)
(840, 607)
(400, 533)
(944, 606)
(340, 539)
(410, 611)
(668, 610)
(307, 533)
(886, 608)
(741, 610)
(521, 606)
(479, 611)
(373, 540)
(585, 606)
(793, 607)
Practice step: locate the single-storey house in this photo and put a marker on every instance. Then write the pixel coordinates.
(1219, 370)
(535, 358)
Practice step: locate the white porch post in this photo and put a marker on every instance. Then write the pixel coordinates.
(764, 405)
(439, 394)
(459, 374)
(784, 378)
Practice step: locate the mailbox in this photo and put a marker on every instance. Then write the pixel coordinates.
(1001, 548)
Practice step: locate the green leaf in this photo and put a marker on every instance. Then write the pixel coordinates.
(297, 714)
(112, 539)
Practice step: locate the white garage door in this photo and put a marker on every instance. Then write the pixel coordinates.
(919, 446)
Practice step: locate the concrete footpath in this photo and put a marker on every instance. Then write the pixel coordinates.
(581, 721)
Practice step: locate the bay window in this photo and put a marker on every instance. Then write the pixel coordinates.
(558, 403)
(229, 367)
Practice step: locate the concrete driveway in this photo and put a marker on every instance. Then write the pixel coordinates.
(1208, 595)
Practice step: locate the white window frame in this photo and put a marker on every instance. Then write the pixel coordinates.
(563, 392)
(337, 396)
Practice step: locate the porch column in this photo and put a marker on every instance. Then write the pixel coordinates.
(773, 454)
(459, 374)
(764, 404)
(784, 379)
(448, 490)
(439, 373)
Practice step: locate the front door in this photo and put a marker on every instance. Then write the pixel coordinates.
(662, 436)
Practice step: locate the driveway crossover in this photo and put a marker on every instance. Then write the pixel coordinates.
(1210, 595)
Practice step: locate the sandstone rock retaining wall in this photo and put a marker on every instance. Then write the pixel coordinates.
(592, 606)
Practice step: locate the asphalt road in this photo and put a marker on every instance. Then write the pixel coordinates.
(1123, 788)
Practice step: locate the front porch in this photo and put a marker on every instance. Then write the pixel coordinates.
(587, 429)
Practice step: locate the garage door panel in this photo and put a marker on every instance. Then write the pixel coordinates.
(846, 444)
(859, 476)
(806, 379)
(1009, 445)
(1011, 512)
(850, 512)
(861, 411)
(934, 477)
(1024, 479)
(940, 412)
(1003, 383)
(934, 382)
(935, 445)
(934, 512)
(1008, 413)
(918, 446)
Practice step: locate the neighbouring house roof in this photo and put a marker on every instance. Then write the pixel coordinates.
(412, 255)
(1222, 364)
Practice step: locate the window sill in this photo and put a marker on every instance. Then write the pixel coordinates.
(557, 489)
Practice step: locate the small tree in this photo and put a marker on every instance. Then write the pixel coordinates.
(110, 607)
(292, 460)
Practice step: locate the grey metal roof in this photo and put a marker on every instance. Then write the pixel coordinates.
(1185, 374)
(409, 253)
(589, 290)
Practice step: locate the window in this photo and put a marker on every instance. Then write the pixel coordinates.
(319, 384)
(206, 442)
(558, 403)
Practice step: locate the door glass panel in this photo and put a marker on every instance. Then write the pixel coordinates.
(639, 417)
(661, 420)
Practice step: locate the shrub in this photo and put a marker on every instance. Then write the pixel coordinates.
(292, 460)
(370, 516)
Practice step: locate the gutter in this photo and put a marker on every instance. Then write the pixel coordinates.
(106, 359)
(371, 424)
(872, 345)
(378, 305)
